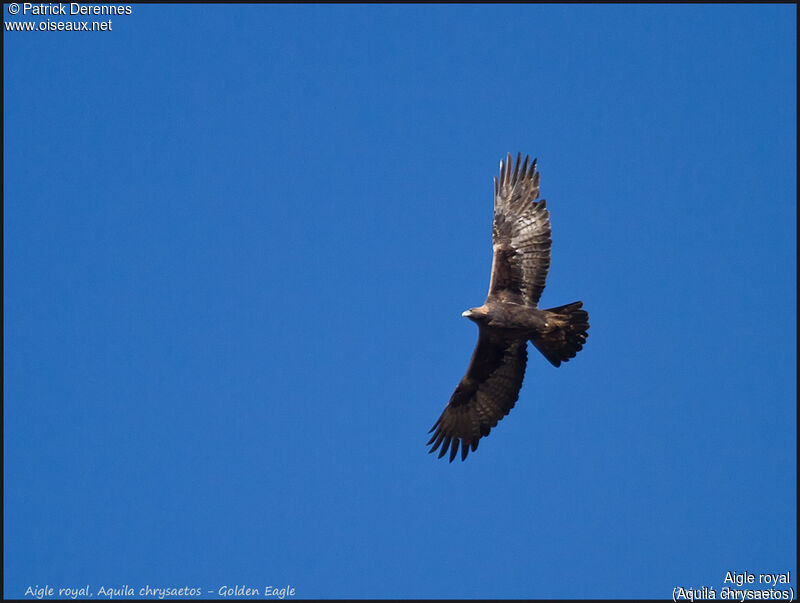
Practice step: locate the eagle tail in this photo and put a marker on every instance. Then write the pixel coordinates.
(567, 337)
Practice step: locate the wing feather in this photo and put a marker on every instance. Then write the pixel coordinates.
(520, 235)
(485, 395)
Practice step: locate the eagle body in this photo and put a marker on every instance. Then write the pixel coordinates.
(510, 317)
(514, 320)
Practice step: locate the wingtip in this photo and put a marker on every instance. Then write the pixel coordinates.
(512, 171)
(436, 440)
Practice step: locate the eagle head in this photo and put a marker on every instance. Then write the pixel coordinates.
(475, 314)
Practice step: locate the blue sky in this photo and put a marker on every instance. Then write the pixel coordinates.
(237, 244)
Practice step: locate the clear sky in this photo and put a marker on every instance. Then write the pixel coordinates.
(237, 244)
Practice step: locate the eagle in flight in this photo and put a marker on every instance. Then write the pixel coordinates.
(510, 315)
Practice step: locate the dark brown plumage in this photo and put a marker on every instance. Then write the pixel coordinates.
(510, 316)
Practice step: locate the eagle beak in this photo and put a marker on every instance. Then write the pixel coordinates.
(466, 313)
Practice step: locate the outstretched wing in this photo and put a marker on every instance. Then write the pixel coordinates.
(485, 395)
(520, 235)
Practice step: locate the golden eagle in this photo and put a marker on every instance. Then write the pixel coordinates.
(510, 317)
